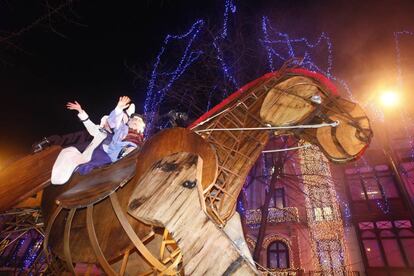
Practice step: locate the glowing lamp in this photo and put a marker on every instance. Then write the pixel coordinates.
(389, 98)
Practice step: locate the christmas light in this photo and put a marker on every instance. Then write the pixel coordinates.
(326, 226)
(283, 39)
(229, 7)
(154, 94)
(400, 83)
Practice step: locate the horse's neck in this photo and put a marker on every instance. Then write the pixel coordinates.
(237, 151)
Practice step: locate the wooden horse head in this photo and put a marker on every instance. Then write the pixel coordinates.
(298, 101)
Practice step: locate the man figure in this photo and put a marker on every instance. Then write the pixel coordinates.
(117, 135)
(128, 129)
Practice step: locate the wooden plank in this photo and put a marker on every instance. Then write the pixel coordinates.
(288, 103)
(99, 183)
(168, 204)
(66, 241)
(124, 263)
(30, 202)
(107, 226)
(49, 227)
(133, 236)
(95, 244)
(26, 177)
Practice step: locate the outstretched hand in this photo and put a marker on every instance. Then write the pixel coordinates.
(123, 102)
(74, 106)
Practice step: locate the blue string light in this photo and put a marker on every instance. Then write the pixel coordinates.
(289, 45)
(154, 94)
(400, 84)
(228, 7)
(283, 39)
(32, 251)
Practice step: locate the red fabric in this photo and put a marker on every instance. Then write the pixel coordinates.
(134, 137)
(324, 81)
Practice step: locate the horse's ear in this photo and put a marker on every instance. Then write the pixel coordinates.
(287, 103)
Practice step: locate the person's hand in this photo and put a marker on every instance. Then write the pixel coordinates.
(74, 106)
(123, 102)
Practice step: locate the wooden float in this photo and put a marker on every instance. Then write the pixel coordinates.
(88, 221)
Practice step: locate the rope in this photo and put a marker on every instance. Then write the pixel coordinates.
(333, 124)
(215, 115)
(286, 149)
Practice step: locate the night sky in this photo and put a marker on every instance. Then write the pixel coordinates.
(81, 53)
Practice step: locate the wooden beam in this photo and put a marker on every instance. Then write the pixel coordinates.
(95, 244)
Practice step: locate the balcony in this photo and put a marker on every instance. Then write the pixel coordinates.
(300, 272)
(282, 272)
(276, 215)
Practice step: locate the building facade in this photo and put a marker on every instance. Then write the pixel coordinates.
(325, 219)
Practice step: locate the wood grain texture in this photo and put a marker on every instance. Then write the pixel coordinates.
(287, 103)
(82, 190)
(160, 199)
(66, 242)
(106, 224)
(95, 244)
(99, 183)
(237, 151)
(279, 101)
(26, 177)
(169, 141)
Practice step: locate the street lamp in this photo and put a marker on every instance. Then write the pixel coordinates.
(389, 98)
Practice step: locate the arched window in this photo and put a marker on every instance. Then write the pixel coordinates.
(278, 255)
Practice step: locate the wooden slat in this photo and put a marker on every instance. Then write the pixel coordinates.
(66, 241)
(26, 177)
(133, 236)
(95, 244)
(99, 183)
(49, 227)
(124, 263)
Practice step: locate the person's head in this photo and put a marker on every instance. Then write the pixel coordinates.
(128, 113)
(137, 123)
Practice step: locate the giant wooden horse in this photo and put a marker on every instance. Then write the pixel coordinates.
(185, 181)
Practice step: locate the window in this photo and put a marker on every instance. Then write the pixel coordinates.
(321, 203)
(371, 184)
(388, 243)
(324, 213)
(278, 199)
(278, 255)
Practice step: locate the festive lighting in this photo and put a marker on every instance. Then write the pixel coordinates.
(400, 82)
(32, 251)
(155, 94)
(283, 41)
(283, 48)
(228, 7)
(326, 228)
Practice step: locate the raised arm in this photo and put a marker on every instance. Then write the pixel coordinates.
(116, 116)
(83, 116)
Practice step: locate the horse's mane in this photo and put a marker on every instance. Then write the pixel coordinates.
(324, 81)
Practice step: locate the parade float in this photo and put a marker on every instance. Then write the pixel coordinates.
(173, 201)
